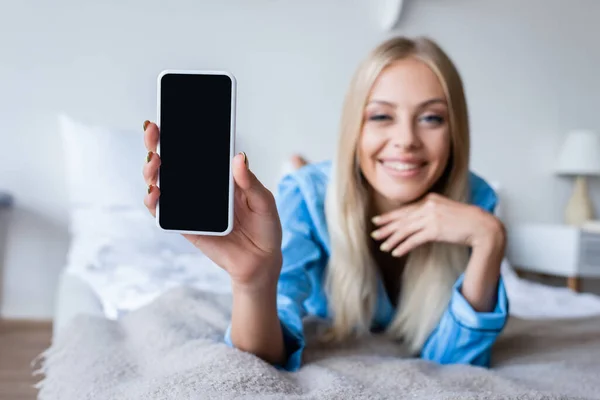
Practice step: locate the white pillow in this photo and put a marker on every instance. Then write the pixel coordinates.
(116, 246)
(106, 188)
(104, 166)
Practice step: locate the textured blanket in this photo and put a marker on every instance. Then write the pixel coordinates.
(173, 349)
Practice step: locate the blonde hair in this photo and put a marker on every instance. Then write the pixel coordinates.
(431, 269)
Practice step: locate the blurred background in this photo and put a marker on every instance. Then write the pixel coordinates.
(530, 70)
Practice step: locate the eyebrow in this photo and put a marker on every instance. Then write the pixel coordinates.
(423, 104)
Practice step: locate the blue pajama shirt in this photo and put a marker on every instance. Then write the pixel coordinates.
(462, 335)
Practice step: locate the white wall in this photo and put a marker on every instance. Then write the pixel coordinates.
(529, 69)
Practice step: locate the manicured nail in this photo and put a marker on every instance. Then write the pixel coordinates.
(146, 123)
(150, 188)
(149, 157)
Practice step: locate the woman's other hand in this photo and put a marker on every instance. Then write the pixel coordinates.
(438, 219)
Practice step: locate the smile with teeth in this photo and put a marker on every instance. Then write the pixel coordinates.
(401, 166)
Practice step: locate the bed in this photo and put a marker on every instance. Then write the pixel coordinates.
(141, 314)
(173, 349)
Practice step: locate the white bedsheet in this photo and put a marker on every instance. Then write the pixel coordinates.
(127, 275)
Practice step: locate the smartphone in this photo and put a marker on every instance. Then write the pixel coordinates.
(196, 120)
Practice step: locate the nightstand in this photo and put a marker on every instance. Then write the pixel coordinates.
(557, 250)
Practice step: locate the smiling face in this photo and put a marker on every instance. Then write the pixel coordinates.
(404, 145)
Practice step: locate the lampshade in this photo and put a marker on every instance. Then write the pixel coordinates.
(390, 13)
(580, 154)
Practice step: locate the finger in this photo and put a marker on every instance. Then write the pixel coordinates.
(151, 199)
(258, 198)
(397, 214)
(385, 231)
(406, 218)
(150, 170)
(401, 233)
(241, 172)
(150, 136)
(412, 242)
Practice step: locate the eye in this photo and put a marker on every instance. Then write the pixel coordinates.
(432, 119)
(380, 117)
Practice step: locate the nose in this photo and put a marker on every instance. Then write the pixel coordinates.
(405, 136)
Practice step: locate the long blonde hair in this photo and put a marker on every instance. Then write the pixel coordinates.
(431, 269)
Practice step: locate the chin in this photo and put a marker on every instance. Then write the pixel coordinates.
(400, 196)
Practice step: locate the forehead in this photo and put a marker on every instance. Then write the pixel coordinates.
(407, 82)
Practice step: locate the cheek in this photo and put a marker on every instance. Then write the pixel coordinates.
(370, 145)
(438, 148)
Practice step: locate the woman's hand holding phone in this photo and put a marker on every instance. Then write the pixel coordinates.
(239, 231)
(251, 253)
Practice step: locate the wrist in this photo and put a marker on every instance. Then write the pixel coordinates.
(261, 297)
(488, 252)
(264, 280)
(255, 288)
(491, 235)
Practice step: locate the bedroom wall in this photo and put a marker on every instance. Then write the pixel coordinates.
(530, 70)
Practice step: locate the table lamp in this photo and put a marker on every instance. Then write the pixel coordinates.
(580, 157)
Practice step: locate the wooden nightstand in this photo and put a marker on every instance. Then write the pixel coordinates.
(556, 250)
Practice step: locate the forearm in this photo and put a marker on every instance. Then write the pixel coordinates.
(480, 283)
(255, 326)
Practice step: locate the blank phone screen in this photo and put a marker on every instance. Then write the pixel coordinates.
(195, 150)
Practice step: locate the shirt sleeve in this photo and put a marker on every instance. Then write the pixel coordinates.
(301, 252)
(463, 335)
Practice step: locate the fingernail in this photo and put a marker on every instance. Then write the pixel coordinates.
(150, 188)
(384, 247)
(395, 253)
(149, 157)
(245, 159)
(146, 123)
(374, 234)
(375, 219)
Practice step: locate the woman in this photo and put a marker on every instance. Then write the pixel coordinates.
(395, 235)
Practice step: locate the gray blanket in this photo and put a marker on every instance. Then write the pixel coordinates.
(173, 349)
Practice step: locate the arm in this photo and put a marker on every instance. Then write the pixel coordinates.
(483, 271)
(251, 254)
(478, 307)
(255, 325)
(463, 335)
(268, 322)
